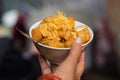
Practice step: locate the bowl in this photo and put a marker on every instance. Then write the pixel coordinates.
(56, 55)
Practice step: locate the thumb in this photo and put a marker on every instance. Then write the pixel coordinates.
(75, 51)
(70, 63)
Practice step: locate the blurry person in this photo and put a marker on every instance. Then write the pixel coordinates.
(17, 63)
(105, 56)
(13, 65)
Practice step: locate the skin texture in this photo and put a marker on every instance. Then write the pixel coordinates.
(71, 68)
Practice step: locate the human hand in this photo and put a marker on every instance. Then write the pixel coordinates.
(71, 68)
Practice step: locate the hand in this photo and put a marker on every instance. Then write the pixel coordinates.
(71, 68)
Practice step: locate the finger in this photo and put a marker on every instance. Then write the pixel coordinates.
(80, 66)
(75, 52)
(44, 66)
(69, 65)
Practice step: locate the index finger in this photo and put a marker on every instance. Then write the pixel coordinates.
(44, 66)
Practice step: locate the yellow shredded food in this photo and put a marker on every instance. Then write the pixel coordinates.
(59, 31)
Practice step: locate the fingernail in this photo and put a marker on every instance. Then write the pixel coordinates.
(78, 40)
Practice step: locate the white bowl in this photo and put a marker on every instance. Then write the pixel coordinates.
(56, 55)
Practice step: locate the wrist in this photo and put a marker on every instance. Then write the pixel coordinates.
(49, 76)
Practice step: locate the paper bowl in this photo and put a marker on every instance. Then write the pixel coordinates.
(56, 55)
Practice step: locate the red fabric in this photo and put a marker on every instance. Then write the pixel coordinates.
(49, 77)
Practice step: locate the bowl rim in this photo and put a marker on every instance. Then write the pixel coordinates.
(76, 22)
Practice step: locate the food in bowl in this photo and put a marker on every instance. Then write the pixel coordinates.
(59, 31)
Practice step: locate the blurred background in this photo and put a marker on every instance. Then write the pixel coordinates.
(18, 56)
